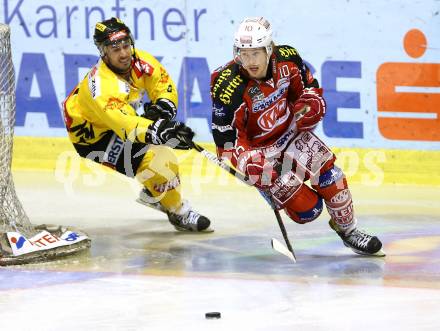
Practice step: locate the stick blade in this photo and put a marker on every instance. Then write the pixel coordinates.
(280, 248)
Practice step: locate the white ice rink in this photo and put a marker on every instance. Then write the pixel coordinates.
(141, 274)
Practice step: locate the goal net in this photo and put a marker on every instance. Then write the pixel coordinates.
(20, 241)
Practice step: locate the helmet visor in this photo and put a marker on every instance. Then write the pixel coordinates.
(249, 56)
(116, 37)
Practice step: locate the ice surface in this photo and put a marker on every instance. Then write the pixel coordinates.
(143, 275)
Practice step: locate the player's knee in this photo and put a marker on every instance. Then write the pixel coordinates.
(305, 206)
(158, 165)
(163, 157)
(331, 182)
(307, 216)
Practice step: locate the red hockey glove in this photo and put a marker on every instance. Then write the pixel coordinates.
(309, 109)
(260, 171)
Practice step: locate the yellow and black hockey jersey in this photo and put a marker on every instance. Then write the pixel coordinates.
(103, 102)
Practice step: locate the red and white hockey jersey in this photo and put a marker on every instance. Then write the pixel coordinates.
(249, 113)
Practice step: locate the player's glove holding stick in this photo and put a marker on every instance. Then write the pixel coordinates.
(173, 134)
(309, 110)
(164, 130)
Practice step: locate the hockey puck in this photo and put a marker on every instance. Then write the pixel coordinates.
(213, 315)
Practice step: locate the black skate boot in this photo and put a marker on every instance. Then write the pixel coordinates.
(187, 219)
(146, 198)
(360, 242)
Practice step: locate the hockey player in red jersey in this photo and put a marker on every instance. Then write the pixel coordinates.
(266, 105)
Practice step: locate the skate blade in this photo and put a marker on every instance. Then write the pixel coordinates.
(207, 230)
(142, 202)
(379, 253)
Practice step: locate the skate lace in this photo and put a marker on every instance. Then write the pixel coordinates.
(359, 239)
(190, 218)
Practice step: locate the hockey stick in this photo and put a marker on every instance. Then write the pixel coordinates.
(276, 244)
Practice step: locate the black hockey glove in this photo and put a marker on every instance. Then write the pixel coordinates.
(163, 108)
(170, 133)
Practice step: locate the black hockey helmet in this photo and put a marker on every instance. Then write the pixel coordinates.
(111, 31)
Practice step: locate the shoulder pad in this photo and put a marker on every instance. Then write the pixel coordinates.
(285, 53)
(227, 85)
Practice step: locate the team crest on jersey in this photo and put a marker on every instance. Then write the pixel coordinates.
(255, 93)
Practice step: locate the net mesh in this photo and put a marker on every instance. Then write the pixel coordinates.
(14, 223)
(12, 215)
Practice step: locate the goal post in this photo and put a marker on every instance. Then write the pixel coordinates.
(21, 241)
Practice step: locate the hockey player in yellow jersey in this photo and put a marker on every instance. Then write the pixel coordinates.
(102, 123)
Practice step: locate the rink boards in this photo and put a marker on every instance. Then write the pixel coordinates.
(367, 166)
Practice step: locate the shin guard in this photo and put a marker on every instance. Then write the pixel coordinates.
(333, 188)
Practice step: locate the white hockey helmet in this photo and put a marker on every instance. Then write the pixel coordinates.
(253, 32)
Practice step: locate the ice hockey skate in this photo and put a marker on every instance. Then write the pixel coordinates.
(185, 219)
(360, 242)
